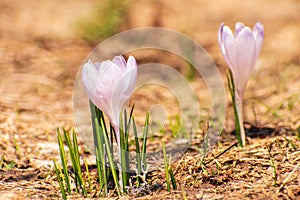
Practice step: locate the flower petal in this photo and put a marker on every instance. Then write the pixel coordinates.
(120, 61)
(89, 79)
(258, 32)
(246, 56)
(131, 68)
(229, 48)
(131, 63)
(221, 43)
(238, 27)
(130, 75)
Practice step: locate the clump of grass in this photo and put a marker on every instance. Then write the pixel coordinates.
(103, 22)
(176, 126)
(104, 151)
(107, 165)
(6, 164)
(60, 179)
(63, 174)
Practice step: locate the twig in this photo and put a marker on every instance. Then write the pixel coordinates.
(220, 154)
(288, 178)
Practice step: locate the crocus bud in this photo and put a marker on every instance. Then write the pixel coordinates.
(109, 84)
(241, 50)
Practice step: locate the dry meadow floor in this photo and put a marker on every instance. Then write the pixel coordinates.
(40, 54)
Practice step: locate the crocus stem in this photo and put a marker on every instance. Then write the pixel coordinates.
(239, 112)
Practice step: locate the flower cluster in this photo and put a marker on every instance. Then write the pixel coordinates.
(109, 85)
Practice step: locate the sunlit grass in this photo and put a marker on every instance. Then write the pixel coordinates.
(63, 175)
(103, 21)
(6, 164)
(175, 126)
(59, 174)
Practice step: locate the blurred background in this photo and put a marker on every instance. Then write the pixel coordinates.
(42, 45)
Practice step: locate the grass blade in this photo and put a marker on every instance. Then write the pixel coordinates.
(166, 167)
(205, 148)
(173, 181)
(75, 162)
(138, 153)
(291, 143)
(63, 161)
(88, 174)
(144, 144)
(60, 181)
(99, 148)
(123, 155)
(100, 158)
(74, 148)
(109, 154)
(127, 126)
(298, 133)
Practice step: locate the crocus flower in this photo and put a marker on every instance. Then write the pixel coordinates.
(240, 50)
(109, 84)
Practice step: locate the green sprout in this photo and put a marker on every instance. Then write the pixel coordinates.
(168, 170)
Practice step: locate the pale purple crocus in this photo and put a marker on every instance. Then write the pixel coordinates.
(109, 85)
(240, 50)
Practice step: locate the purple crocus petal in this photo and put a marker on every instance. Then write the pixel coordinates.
(246, 51)
(238, 27)
(108, 75)
(245, 47)
(229, 46)
(96, 87)
(89, 78)
(220, 38)
(120, 61)
(131, 67)
(131, 63)
(258, 32)
(96, 65)
(127, 84)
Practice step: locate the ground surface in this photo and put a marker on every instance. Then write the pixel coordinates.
(41, 53)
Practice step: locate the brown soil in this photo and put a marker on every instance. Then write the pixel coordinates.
(41, 53)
